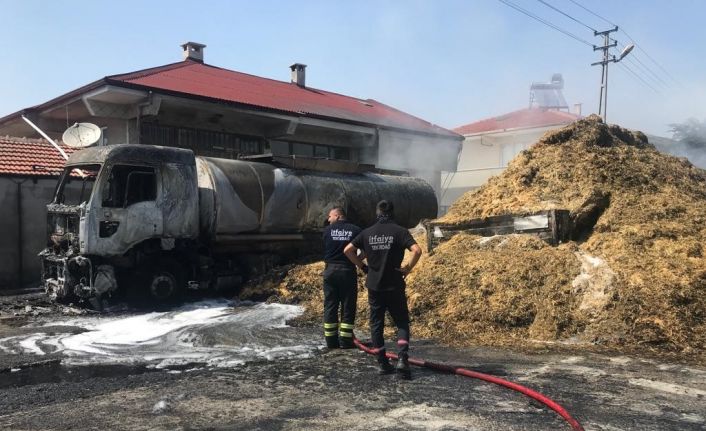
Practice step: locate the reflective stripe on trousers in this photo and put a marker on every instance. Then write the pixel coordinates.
(346, 330)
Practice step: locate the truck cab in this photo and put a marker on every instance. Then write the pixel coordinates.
(113, 208)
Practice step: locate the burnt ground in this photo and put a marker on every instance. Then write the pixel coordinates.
(340, 390)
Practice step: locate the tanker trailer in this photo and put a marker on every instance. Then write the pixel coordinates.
(160, 220)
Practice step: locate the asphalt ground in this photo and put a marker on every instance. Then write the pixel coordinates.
(337, 390)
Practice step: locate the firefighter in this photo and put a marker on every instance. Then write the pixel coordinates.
(384, 245)
(340, 281)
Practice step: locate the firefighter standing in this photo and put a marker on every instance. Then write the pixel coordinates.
(384, 245)
(340, 281)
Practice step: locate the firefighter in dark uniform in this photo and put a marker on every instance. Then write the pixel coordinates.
(340, 281)
(384, 245)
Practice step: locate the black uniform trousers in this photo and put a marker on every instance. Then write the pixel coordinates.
(395, 302)
(340, 290)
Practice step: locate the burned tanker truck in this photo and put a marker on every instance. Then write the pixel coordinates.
(160, 220)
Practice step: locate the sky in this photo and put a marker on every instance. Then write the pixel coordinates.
(449, 62)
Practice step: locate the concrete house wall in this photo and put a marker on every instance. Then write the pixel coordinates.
(482, 156)
(23, 223)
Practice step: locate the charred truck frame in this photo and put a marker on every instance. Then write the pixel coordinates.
(161, 220)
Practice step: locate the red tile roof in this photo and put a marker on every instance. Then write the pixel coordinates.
(522, 119)
(197, 79)
(30, 157)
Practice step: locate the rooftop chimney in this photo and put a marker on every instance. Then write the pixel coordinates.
(193, 51)
(299, 74)
(577, 109)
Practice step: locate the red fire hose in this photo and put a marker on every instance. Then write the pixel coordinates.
(488, 378)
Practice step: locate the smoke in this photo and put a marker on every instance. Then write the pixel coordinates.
(688, 140)
(697, 156)
(422, 157)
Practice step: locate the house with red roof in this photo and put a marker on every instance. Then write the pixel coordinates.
(224, 113)
(490, 144)
(29, 169)
(213, 111)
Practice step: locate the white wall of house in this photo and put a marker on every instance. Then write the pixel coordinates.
(484, 155)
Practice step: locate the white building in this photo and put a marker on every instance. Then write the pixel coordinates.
(490, 144)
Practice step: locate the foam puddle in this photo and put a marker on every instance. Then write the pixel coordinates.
(212, 333)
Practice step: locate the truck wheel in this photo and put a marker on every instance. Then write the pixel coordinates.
(166, 284)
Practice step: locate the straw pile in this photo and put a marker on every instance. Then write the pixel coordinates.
(634, 274)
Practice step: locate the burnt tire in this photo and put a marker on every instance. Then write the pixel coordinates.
(166, 283)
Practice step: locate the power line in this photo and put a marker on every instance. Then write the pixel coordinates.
(608, 43)
(653, 60)
(632, 60)
(625, 66)
(567, 15)
(646, 67)
(531, 15)
(642, 66)
(591, 12)
(629, 37)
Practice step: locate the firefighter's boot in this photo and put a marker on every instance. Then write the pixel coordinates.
(331, 335)
(402, 367)
(384, 365)
(346, 334)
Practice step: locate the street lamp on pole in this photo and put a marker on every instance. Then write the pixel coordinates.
(625, 52)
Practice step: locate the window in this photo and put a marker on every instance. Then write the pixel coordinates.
(279, 148)
(249, 146)
(284, 148)
(202, 142)
(76, 184)
(128, 185)
(321, 151)
(340, 153)
(306, 150)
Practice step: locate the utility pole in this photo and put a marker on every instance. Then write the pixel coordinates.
(607, 58)
(603, 100)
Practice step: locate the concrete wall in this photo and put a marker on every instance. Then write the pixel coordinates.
(484, 156)
(34, 195)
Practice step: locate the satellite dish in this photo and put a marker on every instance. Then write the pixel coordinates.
(81, 135)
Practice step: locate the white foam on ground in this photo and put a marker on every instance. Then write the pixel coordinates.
(30, 344)
(211, 332)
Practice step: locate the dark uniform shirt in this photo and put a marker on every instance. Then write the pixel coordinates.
(384, 244)
(336, 238)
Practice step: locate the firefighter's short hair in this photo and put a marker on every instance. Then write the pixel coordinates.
(340, 210)
(384, 207)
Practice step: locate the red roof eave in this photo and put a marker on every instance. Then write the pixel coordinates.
(444, 133)
(518, 120)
